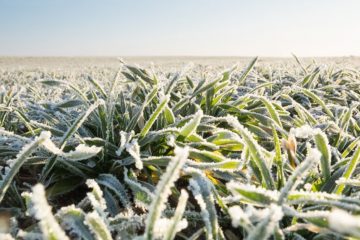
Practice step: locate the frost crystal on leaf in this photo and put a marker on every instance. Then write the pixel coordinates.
(236, 214)
(42, 212)
(133, 149)
(343, 222)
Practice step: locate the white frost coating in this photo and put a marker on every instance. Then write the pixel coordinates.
(273, 195)
(344, 222)
(163, 189)
(237, 215)
(51, 147)
(101, 102)
(226, 165)
(3, 132)
(308, 187)
(162, 225)
(135, 186)
(351, 182)
(28, 235)
(230, 134)
(181, 153)
(45, 135)
(304, 131)
(170, 140)
(96, 196)
(97, 226)
(169, 130)
(265, 228)
(81, 151)
(298, 196)
(277, 213)
(21, 158)
(309, 214)
(68, 209)
(69, 216)
(256, 214)
(133, 149)
(256, 151)
(192, 171)
(80, 120)
(163, 97)
(190, 127)
(313, 157)
(195, 188)
(6, 236)
(124, 139)
(177, 222)
(122, 143)
(42, 212)
(181, 225)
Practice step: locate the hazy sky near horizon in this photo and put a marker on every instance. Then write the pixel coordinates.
(174, 27)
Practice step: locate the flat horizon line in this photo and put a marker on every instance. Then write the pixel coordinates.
(170, 56)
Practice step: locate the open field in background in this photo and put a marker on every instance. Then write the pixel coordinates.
(267, 149)
(68, 63)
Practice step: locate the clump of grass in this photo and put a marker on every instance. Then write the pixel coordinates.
(246, 153)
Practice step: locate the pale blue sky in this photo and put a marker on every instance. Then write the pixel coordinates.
(180, 27)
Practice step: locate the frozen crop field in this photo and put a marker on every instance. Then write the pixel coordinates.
(179, 148)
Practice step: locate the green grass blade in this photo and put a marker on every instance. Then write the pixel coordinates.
(160, 108)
